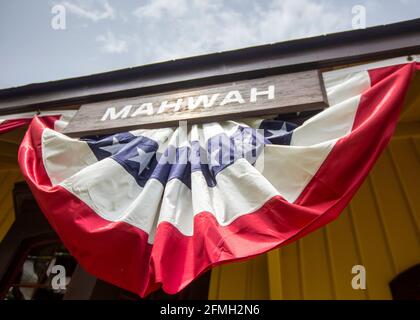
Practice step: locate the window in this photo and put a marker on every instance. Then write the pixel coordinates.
(30, 275)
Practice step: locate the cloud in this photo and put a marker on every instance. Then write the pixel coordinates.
(157, 8)
(87, 10)
(113, 44)
(181, 28)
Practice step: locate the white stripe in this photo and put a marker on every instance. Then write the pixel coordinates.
(64, 156)
(343, 91)
(64, 120)
(116, 196)
(289, 169)
(340, 86)
(333, 123)
(240, 189)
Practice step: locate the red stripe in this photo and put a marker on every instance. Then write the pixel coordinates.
(378, 74)
(352, 157)
(118, 252)
(10, 125)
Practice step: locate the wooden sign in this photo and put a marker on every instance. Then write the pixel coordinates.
(285, 93)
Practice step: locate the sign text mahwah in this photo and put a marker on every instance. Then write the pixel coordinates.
(246, 98)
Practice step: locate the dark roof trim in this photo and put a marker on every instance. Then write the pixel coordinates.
(380, 42)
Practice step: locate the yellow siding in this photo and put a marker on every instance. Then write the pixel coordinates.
(9, 175)
(8, 178)
(379, 230)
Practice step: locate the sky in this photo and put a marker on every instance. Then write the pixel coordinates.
(104, 35)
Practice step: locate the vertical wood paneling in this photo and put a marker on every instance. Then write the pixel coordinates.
(404, 158)
(9, 175)
(244, 280)
(344, 254)
(214, 285)
(232, 281)
(258, 286)
(8, 178)
(375, 254)
(395, 213)
(316, 278)
(274, 274)
(291, 271)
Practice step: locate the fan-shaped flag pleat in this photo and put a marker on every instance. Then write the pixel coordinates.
(150, 208)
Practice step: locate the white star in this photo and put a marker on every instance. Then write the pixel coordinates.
(278, 133)
(113, 148)
(142, 158)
